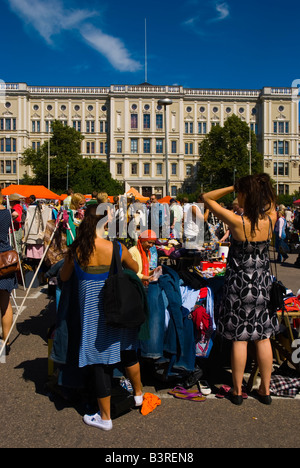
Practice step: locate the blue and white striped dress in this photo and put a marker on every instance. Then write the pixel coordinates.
(99, 344)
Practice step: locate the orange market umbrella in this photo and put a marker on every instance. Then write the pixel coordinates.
(26, 190)
(137, 195)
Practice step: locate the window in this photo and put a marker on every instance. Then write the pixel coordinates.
(36, 145)
(281, 127)
(146, 168)
(119, 168)
(173, 168)
(147, 145)
(159, 169)
(103, 126)
(134, 169)
(90, 126)
(283, 169)
(189, 170)
(202, 127)
(77, 125)
(8, 124)
(173, 191)
(36, 126)
(103, 147)
(134, 145)
(189, 127)
(188, 148)
(159, 121)
(174, 147)
(8, 145)
(254, 128)
(281, 147)
(134, 121)
(146, 121)
(90, 147)
(159, 146)
(119, 146)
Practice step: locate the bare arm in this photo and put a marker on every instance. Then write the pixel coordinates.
(128, 261)
(221, 213)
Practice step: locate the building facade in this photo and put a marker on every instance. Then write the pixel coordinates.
(125, 126)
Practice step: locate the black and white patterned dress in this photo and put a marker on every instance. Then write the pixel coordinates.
(10, 282)
(244, 314)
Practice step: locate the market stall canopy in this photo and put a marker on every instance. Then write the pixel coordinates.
(26, 190)
(297, 202)
(132, 191)
(165, 199)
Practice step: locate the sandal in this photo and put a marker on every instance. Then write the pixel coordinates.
(225, 389)
(184, 392)
(189, 397)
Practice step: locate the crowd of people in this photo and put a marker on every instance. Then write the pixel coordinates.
(248, 225)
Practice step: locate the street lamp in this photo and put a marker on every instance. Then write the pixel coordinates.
(166, 102)
(67, 176)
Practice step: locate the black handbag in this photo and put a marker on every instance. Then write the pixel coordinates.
(277, 292)
(122, 301)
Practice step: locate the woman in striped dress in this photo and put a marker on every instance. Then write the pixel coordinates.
(101, 346)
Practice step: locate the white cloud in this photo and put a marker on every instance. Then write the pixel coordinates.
(111, 47)
(222, 10)
(50, 18)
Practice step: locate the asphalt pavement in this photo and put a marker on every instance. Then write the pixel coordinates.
(33, 416)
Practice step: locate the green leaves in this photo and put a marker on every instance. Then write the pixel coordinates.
(225, 156)
(67, 162)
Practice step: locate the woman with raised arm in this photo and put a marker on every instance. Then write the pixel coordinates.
(244, 314)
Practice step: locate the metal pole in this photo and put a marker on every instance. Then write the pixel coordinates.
(250, 155)
(49, 155)
(166, 102)
(167, 155)
(67, 176)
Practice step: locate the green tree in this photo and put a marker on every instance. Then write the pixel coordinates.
(224, 154)
(65, 150)
(95, 175)
(84, 175)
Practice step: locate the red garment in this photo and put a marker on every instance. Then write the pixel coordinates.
(145, 259)
(17, 221)
(200, 316)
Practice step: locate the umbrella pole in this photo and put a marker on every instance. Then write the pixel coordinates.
(28, 290)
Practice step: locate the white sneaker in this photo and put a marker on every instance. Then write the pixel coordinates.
(138, 400)
(204, 387)
(96, 421)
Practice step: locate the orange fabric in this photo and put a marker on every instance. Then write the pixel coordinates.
(150, 402)
(26, 190)
(145, 236)
(145, 260)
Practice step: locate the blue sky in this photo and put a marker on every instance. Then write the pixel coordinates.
(193, 43)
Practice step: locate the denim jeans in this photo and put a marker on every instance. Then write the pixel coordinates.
(281, 247)
(178, 338)
(154, 347)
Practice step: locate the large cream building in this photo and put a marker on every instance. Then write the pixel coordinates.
(125, 126)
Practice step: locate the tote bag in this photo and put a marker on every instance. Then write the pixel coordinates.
(122, 301)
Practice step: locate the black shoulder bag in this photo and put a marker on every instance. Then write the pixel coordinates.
(122, 301)
(277, 291)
